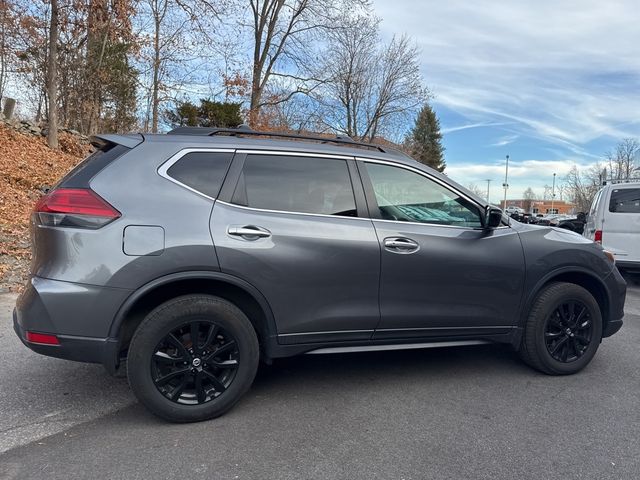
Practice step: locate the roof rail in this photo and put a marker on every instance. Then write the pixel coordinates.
(243, 130)
(614, 181)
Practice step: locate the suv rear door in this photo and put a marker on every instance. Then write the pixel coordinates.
(442, 274)
(289, 224)
(621, 225)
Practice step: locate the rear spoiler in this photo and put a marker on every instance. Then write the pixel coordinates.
(129, 140)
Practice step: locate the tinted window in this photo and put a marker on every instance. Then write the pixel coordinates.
(296, 184)
(406, 196)
(625, 200)
(202, 171)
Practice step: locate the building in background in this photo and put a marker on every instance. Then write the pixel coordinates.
(541, 206)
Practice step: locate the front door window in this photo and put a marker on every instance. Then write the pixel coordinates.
(406, 196)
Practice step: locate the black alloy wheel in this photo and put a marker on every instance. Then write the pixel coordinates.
(192, 358)
(569, 331)
(563, 329)
(195, 363)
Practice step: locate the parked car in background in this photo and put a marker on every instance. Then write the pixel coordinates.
(192, 256)
(514, 212)
(575, 224)
(614, 222)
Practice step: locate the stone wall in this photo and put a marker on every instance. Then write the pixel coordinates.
(38, 128)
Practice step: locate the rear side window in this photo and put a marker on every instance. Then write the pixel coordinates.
(296, 184)
(202, 171)
(625, 200)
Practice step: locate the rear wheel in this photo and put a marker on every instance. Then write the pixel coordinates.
(563, 330)
(192, 358)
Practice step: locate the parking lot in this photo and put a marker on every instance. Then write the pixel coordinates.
(474, 412)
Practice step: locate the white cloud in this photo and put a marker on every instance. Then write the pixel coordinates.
(522, 174)
(566, 71)
(471, 125)
(505, 140)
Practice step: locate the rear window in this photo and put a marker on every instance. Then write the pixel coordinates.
(296, 184)
(625, 200)
(202, 171)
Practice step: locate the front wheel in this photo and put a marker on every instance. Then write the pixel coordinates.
(563, 330)
(192, 358)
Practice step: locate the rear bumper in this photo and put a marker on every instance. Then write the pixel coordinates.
(79, 315)
(79, 349)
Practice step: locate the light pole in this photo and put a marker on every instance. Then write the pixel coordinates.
(505, 185)
(488, 182)
(553, 193)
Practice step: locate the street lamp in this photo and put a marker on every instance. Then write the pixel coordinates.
(488, 182)
(553, 193)
(505, 185)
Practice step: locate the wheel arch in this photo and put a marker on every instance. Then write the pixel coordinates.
(241, 293)
(578, 276)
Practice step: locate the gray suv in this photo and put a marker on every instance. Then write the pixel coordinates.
(189, 257)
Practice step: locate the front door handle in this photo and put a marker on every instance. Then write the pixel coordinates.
(400, 245)
(248, 232)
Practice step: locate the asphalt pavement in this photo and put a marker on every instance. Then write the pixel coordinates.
(454, 413)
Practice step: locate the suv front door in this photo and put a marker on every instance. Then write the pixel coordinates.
(442, 274)
(291, 227)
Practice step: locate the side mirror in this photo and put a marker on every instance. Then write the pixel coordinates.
(493, 218)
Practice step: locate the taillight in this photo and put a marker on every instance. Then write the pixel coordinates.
(598, 236)
(74, 207)
(42, 338)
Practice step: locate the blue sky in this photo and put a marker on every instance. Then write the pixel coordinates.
(549, 83)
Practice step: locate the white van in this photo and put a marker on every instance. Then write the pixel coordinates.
(614, 221)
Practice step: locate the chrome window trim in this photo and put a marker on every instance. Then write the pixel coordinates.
(165, 166)
(428, 177)
(366, 219)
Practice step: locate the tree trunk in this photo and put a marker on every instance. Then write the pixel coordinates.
(156, 79)
(256, 96)
(52, 84)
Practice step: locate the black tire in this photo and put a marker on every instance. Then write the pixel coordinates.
(563, 330)
(218, 380)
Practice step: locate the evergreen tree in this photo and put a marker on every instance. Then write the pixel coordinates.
(424, 142)
(209, 114)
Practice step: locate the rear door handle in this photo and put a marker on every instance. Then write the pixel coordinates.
(248, 232)
(400, 245)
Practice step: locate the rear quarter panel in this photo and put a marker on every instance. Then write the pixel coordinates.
(132, 185)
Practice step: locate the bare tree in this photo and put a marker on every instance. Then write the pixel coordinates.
(8, 33)
(529, 196)
(370, 85)
(284, 32)
(624, 161)
(178, 33)
(581, 187)
(474, 188)
(52, 83)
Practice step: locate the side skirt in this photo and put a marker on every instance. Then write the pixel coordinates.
(405, 346)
